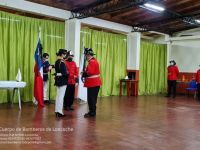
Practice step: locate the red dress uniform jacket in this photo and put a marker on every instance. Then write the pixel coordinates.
(73, 71)
(172, 73)
(198, 77)
(93, 74)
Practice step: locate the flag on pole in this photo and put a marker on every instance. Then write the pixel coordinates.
(82, 91)
(38, 79)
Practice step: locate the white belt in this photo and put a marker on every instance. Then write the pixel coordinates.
(58, 74)
(94, 76)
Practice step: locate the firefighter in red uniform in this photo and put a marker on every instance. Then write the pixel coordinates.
(73, 77)
(173, 72)
(92, 81)
(198, 83)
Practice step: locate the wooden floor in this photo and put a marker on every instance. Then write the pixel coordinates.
(122, 123)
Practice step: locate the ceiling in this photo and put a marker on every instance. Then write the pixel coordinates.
(179, 15)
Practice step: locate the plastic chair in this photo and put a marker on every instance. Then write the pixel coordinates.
(192, 87)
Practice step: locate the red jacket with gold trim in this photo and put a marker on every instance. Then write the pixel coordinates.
(93, 74)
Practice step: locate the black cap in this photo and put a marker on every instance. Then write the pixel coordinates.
(45, 55)
(61, 51)
(172, 61)
(88, 51)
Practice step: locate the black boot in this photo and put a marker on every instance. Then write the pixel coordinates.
(167, 95)
(89, 114)
(58, 115)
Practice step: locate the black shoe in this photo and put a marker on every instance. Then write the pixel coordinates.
(67, 108)
(47, 102)
(71, 108)
(167, 96)
(58, 115)
(87, 115)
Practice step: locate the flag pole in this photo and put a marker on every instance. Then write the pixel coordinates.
(38, 78)
(82, 91)
(40, 29)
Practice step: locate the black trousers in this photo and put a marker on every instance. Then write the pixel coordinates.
(92, 94)
(171, 88)
(69, 95)
(198, 91)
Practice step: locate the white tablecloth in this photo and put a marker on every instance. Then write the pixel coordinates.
(13, 85)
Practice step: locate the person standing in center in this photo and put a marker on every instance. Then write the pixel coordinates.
(173, 72)
(73, 77)
(61, 78)
(92, 81)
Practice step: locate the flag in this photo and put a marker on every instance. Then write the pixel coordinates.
(19, 76)
(82, 91)
(38, 79)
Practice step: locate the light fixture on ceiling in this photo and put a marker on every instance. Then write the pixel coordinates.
(153, 7)
(197, 21)
(191, 21)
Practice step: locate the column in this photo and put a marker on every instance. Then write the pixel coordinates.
(72, 37)
(169, 48)
(133, 53)
(133, 60)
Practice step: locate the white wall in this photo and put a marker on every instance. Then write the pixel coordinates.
(107, 24)
(160, 40)
(185, 50)
(186, 56)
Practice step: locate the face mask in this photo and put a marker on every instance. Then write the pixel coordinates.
(69, 59)
(46, 59)
(171, 63)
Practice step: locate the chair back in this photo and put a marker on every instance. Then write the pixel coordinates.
(193, 84)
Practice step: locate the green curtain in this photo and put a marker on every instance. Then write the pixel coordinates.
(111, 52)
(152, 75)
(18, 41)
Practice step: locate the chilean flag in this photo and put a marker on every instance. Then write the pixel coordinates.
(38, 79)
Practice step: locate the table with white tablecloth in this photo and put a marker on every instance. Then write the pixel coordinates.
(13, 85)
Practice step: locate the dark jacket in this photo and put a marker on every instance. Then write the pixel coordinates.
(61, 76)
(45, 70)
